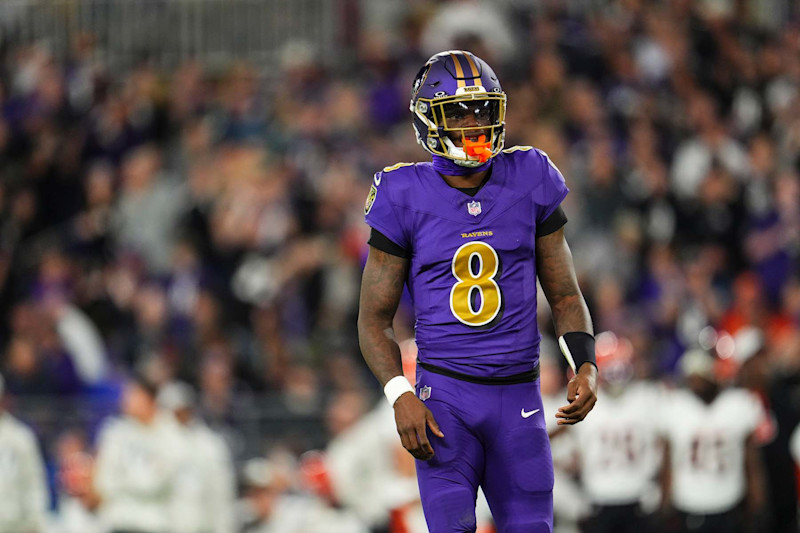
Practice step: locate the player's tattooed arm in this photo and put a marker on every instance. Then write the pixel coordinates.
(381, 288)
(560, 285)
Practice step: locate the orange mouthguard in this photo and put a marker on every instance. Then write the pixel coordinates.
(480, 148)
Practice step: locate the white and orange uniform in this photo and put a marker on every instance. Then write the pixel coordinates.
(707, 448)
(619, 449)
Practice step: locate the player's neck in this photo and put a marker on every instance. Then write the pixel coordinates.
(466, 181)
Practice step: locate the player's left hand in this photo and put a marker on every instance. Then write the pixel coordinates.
(581, 395)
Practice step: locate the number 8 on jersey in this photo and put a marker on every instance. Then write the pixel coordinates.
(461, 295)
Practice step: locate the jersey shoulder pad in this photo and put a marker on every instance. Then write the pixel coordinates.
(531, 168)
(744, 405)
(397, 166)
(525, 158)
(526, 155)
(388, 194)
(402, 179)
(518, 148)
(521, 162)
(739, 399)
(396, 171)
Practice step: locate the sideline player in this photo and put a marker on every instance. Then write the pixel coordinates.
(712, 474)
(469, 233)
(621, 453)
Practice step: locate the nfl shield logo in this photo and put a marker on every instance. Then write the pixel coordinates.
(424, 393)
(474, 208)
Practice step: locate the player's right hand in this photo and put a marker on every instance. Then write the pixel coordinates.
(413, 419)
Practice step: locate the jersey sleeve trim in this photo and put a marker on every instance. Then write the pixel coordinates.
(552, 223)
(385, 244)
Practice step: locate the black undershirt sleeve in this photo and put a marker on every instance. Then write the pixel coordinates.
(383, 243)
(552, 223)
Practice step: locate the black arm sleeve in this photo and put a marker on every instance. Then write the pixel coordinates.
(552, 223)
(384, 244)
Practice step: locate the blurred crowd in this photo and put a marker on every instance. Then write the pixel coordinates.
(200, 230)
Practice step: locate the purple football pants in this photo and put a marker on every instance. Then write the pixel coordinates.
(487, 442)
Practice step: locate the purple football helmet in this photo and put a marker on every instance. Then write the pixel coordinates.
(459, 108)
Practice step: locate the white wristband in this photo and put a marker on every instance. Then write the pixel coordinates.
(396, 387)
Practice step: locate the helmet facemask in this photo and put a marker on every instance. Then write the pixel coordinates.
(467, 128)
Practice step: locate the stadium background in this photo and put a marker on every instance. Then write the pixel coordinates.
(182, 187)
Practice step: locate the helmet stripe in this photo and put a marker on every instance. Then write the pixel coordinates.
(475, 73)
(459, 71)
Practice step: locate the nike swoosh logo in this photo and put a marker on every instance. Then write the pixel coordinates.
(529, 413)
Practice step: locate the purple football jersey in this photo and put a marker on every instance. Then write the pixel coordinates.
(472, 276)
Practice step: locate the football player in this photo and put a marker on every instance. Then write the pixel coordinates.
(712, 470)
(621, 453)
(23, 482)
(469, 233)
